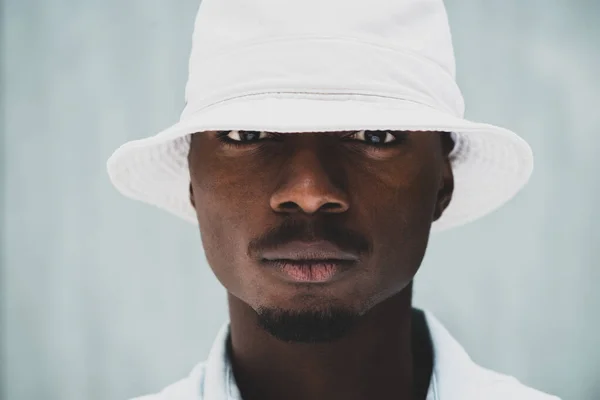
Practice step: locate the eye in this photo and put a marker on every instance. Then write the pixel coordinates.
(374, 137)
(243, 136)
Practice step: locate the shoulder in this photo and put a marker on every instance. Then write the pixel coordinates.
(496, 386)
(188, 388)
(457, 376)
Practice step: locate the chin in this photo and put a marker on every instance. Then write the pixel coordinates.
(302, 301)
(307, 323)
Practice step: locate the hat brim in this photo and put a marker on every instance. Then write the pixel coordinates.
(490, 164)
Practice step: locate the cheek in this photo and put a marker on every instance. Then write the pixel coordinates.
(216, 241)
(416, 197)
(400, 210)
(227, 202)
(226, 192)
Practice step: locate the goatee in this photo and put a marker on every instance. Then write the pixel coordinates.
(309, 326)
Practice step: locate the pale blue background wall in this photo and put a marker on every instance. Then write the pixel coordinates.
(105, 298)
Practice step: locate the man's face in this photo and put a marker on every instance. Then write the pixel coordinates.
(365, 200)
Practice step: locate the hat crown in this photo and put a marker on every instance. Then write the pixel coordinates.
(393, 48)
(418, 26)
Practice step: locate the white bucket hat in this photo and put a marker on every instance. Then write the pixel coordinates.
(325, 65)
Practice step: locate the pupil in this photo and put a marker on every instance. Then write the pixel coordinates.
(250, 135)
(374, 136)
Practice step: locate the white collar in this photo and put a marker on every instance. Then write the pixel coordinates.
(455, 376)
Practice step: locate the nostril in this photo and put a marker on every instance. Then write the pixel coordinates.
(288, 206)
(331, 207)
(328, 207)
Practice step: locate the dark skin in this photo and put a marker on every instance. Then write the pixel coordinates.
(386, 187)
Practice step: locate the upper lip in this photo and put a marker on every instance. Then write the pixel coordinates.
(319, 250)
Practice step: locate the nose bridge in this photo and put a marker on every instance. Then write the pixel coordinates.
(310, 181)
(311, 161)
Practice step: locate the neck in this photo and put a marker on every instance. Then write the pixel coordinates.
(375, 360)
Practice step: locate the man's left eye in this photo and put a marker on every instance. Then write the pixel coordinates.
(246, 136)
(374, 137)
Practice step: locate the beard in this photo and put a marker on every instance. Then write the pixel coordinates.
(307, 326)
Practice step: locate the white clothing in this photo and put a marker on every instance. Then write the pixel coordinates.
(455, 376)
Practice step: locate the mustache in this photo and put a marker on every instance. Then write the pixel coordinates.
(308, 231)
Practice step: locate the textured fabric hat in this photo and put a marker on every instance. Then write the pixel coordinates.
(325, 65)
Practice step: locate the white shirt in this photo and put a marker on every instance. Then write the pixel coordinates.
(455, 376)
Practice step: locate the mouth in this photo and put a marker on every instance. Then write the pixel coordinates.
(307, 262)
(310, 271)
(309, 251)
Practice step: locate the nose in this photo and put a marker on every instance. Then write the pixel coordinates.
(310, 183)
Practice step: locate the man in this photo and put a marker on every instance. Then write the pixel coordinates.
(322, 141)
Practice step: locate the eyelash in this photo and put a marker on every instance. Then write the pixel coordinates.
(222, 136)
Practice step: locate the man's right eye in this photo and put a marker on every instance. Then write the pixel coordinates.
(242, 136)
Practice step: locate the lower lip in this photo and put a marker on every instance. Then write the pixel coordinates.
(318, 271)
